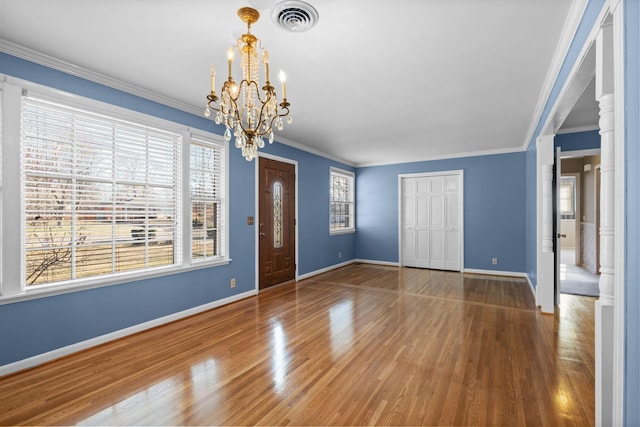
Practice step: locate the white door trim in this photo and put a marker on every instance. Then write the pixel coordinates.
(544, 224)
(458, 172)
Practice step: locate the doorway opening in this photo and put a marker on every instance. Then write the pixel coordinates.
(579, 213)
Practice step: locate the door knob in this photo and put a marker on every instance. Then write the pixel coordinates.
(561, 235)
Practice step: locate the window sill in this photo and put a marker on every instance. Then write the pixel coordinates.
(52, 290)
(338, 232)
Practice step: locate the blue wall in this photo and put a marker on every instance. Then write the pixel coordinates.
(40, 325)
(632, 226)
(494, 209)
(588, 140)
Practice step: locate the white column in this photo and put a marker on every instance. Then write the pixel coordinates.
(546, 266)
(607, 197)
(604, 311)
(547, 208)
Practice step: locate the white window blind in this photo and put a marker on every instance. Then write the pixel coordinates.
(342, 201)
(100, 194)
(207, 188)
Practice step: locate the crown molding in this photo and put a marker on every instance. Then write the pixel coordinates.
(36, 57)
(449, 156)
(93, 76)
(576, 11)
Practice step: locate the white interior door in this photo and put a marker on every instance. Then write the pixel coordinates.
(431, 215)
(415, 230)
(423, 231)
(452, 226)
(409, 238)
(436, 222)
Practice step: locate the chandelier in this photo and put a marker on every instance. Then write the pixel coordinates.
(248, 111)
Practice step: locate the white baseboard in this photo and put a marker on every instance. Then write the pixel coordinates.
(505, 274)
(495, 272)
(73, 348)
(324, 270)
(533, 289)
(373, 261)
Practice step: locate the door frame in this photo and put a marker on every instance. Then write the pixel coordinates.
(460, 174)
(257, 212)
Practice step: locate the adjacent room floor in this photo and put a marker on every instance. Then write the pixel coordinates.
(361, 345)
(575, 279)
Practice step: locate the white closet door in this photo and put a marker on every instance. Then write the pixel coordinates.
(452, 224)
(432, 221)
(436, 222)
(409, 222)
(423, 229)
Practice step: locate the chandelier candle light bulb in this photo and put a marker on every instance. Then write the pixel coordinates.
(248, 111)
(265, 59)
(230, 60)
(283, 80)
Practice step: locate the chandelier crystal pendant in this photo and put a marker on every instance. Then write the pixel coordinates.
(248, 111)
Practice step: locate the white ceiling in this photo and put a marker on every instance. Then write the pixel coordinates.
(586, 112)
(372, 83)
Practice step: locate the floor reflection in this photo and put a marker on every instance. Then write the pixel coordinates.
(152, 402)
(206, 392)
(280, 357)
(341, 325)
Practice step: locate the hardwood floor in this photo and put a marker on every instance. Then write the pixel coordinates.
(361, 345)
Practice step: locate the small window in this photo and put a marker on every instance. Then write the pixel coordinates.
(568, 197)
(207, 199)
(342, 202)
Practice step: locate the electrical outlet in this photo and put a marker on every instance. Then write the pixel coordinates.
(233, 283)
(494, 261)
(339, 255)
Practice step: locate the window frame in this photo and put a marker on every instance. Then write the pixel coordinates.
(199, 137)
(12, 262)
(568, 183)
(333, 171)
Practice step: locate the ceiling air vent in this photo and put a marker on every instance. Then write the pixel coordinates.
(294, 15)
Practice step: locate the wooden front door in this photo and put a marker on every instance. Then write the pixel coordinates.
(277, 260)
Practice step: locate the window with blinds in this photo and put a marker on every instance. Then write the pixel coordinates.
(100, 194)
(207, 189)
(342, 201)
